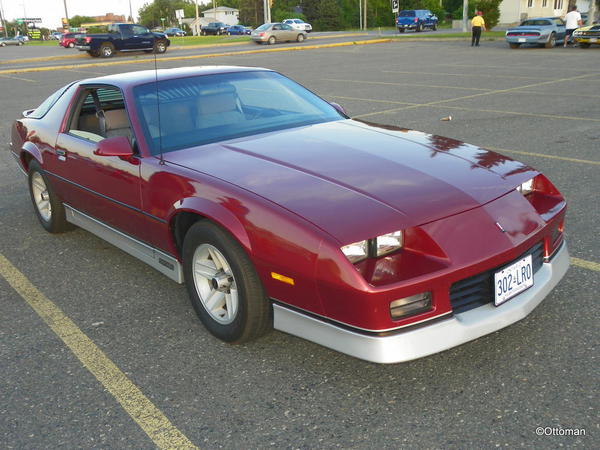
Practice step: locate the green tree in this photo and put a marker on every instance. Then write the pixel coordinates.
(328, 14)
(251, 12)
(151, 13)
(76, 21)
(491, 12)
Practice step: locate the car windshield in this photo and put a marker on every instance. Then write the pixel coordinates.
(535, 23)
(211, 108)
(407, 14)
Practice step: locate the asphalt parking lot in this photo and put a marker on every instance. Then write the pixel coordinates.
(126, 364)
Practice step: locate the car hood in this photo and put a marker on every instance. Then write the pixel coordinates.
(357, 180)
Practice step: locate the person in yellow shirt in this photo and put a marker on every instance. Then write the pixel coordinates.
(477, 24)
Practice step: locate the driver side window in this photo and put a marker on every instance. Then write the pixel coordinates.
(99, 114)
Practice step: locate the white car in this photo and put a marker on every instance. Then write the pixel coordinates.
(299, 24)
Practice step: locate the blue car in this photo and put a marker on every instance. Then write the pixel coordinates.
(543, 31)
(416, 19)
(238, 29)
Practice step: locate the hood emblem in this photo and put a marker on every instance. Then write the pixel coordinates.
(500, 227)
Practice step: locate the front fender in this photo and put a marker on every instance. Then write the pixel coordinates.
(219, 213)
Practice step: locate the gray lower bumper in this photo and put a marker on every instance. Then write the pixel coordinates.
(83, 47)
(426, 340)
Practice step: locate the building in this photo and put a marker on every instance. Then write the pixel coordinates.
(110, 17)
(229, 16)
(514, 11)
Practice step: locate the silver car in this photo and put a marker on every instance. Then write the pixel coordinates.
(17, 40)
(277, 32)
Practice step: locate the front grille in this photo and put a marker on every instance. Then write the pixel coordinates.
(478, 290)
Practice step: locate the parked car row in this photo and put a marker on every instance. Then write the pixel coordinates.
(549, 31)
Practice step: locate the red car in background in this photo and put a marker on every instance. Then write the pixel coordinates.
(277, 210)
(67, 40)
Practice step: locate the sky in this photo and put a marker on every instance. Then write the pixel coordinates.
(51, 11)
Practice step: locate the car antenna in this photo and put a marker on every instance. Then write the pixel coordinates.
(162, 159)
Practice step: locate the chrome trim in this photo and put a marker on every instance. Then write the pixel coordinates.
(426, 340)
(165, 264)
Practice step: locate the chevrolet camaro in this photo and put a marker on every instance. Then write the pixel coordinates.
(279, 211)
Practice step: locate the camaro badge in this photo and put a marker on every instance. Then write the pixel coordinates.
(500, 227)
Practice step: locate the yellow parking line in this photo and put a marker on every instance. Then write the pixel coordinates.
(19, 78)
(191, 57)
(389, 83)
(136, 404)
(585, 264)
(466, 97)
(541, 155)
(462, 75)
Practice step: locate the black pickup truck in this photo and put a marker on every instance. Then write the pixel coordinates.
(122, 37)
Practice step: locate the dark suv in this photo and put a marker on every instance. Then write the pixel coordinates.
(215, 28)
(416, 19)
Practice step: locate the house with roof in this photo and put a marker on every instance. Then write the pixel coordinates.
(229, 16)
(514, 11)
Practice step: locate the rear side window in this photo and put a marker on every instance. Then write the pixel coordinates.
(407, 14)
(41, 110)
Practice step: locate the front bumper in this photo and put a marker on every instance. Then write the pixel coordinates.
(423, 339)
(83, 48)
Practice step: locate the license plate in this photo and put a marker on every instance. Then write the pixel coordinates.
(593, 39)
(522, 40)
(513, 280)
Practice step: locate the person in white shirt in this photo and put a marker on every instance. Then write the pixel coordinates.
(573, 21)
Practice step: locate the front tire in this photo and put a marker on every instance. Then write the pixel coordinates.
(584, 45)
(71, 45)
(300, 38)
(160, 47)
(434, 27)
(400, 30)
(48, 207)
(419, 28)
(223, 285)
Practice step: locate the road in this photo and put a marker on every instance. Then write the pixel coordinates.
(281, 391)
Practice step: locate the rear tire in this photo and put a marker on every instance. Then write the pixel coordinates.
(584, 45)
(223, 285)
(107, 50)
(434, 27)
(48, 207)
(551, 41)
(419, 28)
(272, 40)
(514, 45)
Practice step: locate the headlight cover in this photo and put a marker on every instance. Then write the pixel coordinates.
(379, 246)
(356, 251)
(526, 187)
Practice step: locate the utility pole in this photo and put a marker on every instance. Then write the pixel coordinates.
(267, 11)
(2, 19)
(365, 15)
(66, 13)
(196, 22)
(360, 24)
(465, 14)
(131, 13)
(591, 12)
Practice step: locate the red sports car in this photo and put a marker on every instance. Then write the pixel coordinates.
(277, 210)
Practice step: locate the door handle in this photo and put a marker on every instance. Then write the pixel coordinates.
(62, 154)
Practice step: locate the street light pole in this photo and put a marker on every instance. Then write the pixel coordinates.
(196, 22)
(131, 13)
(360, 24)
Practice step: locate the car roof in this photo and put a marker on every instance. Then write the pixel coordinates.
(130, 79)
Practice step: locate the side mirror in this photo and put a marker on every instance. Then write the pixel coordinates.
(339, 109)
(114, 146)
